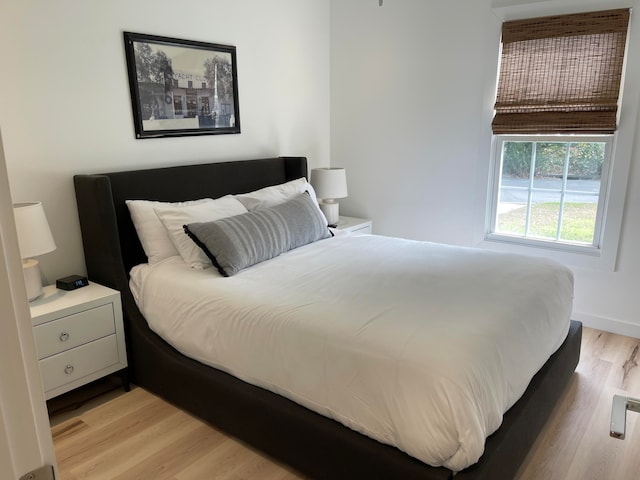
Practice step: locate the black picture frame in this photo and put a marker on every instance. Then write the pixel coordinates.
(181, 87)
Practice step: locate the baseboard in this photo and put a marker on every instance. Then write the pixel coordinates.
(612, 325)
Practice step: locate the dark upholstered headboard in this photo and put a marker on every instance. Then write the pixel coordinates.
(111, 245)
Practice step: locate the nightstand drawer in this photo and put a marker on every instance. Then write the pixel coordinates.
(74, 330)
(79, 362)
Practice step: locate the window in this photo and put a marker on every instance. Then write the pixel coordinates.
(554, 129)
(551, 189)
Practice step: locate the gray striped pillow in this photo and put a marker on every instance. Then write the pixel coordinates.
(237, 242)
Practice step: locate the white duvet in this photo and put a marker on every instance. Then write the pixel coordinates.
(418, 345)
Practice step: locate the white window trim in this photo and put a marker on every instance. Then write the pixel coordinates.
(494, 193)
(602, 258)
(621, 153)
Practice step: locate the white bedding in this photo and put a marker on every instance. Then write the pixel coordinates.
(418, 345)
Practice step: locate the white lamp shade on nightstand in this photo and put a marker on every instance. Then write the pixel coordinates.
(329, 184)
(34, 238)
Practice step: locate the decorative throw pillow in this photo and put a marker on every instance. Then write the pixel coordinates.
(175, 217)
(152, 235)
(238, 242)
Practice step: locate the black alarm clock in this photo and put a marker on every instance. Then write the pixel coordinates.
(72, 282)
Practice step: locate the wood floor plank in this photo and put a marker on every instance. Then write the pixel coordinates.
(68, 429)
(219, 462)
(232, 459)
(130, 452)
(629, 466)
(556, 446)
(72, 451)
(139, 436)
(598, 463)
(166, 462)
(136, 399)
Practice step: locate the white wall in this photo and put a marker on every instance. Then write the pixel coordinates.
(65, 106)
(412, 90)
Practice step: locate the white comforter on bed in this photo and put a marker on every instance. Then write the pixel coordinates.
(418, 345)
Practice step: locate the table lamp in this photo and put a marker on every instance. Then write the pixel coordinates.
(34, 238)
(329, 184)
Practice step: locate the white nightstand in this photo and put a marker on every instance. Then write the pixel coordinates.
(352, 225)
(79, 336)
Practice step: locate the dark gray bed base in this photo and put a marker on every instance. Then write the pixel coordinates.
(313, 445)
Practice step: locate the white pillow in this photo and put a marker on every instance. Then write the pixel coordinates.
(152, 234)
(174, 218)
(275, 195)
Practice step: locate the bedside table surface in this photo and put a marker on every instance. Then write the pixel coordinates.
(55, 303)
(350, 225)
(348, 222)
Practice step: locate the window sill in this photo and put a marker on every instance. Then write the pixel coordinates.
(573, 256)
(560, 247)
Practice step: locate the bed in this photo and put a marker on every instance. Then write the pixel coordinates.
(313, 444)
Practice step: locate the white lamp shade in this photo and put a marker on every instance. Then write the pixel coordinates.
(329, 182)
(34, 234)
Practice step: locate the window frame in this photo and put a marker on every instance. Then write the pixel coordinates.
(619, 169)
(595, 247)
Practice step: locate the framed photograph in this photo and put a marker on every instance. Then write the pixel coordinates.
(181, 87)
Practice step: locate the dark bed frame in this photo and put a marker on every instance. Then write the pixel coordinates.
(313, 445)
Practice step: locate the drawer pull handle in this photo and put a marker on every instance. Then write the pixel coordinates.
(68, 369)
(64, 336)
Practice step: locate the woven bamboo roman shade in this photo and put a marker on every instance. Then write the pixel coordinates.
(561, 74)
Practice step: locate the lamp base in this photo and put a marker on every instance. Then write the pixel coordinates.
(330, 209)
(32, 278)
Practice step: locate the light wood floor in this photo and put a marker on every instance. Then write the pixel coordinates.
(138, 436)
